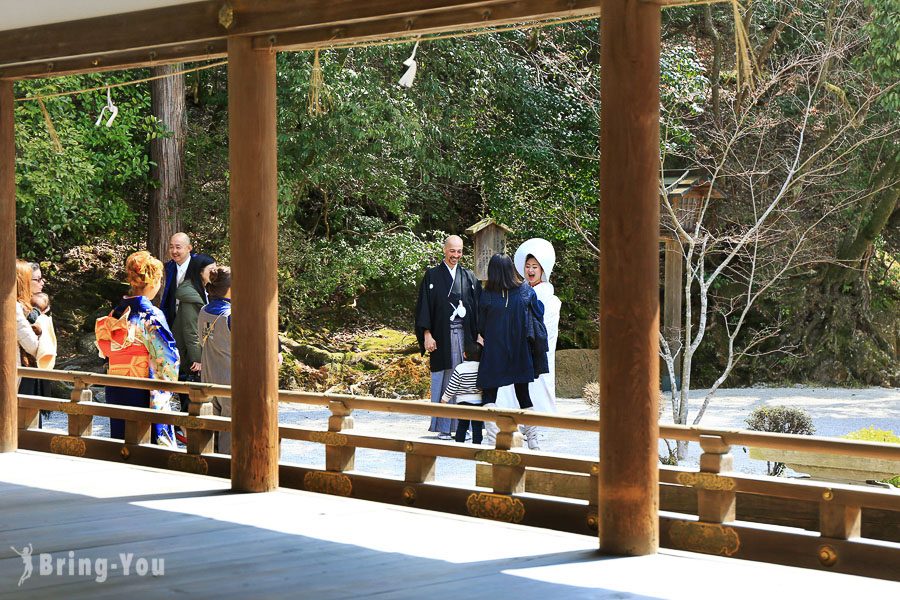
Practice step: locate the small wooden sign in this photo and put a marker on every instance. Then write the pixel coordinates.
(490, 239)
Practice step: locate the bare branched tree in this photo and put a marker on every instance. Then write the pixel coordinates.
(780, 157)
(784, 151)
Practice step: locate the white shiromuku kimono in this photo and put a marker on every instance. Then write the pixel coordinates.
(542, 390)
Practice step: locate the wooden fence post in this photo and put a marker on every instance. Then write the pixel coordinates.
(419, 469)
(80, 425)
(839, 521)
(508, 479)
(339, 457)
(715, 504)
(199, 441)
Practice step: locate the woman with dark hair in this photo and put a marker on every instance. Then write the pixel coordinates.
(190, 297)
(534, 261)
(214, 324)
(506, 317)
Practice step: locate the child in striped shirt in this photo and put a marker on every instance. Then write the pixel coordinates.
(462, 386)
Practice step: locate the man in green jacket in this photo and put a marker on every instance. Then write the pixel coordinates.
(190, 297)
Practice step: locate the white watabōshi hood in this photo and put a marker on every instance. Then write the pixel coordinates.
(540, 249)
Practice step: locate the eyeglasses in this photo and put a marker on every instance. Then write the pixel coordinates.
(41, 279)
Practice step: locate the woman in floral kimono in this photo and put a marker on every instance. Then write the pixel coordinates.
(138, 343)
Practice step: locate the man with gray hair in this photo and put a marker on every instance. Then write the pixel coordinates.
(446, 311)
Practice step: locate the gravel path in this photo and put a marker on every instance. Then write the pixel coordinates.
(835, 411)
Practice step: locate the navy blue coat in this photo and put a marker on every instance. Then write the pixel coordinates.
(170, 272)
(167, 303)
(505, 324)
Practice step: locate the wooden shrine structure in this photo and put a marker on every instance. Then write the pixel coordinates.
(623, 496)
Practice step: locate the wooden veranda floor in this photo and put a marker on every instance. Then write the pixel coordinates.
(304, 545)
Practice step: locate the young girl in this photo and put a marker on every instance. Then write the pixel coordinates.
(462, 386)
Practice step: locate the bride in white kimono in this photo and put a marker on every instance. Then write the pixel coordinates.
(534, 261)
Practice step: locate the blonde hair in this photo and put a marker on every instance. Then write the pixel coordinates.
(142, 270)
(24, 273)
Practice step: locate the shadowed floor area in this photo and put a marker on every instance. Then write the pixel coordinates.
(88, 522)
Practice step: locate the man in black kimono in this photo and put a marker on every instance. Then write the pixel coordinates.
(445, 318)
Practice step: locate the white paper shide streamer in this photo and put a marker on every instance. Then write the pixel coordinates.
(112, 108)
(407, 79)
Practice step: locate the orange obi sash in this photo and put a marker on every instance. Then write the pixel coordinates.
(116, 339)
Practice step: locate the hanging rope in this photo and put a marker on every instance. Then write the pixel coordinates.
(122, 84)
(484, 30)
(741, 42)
(316, 88)
(744, 64)
(57, 145)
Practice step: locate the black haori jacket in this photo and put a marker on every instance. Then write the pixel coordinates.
(439, 296)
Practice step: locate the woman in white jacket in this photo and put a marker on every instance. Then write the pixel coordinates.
(534, 261)
(25, 334)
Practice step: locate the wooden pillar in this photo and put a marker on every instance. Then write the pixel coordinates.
(9, 350)
(252, 156)
(628, 504)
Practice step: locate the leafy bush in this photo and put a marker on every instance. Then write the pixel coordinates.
(780, 419)
(333, 274)
(870, 434)
(97, 183)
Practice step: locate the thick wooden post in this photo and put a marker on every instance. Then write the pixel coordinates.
(252, 156)
(628, 507)
(9, 350)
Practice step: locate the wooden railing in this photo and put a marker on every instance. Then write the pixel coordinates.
(839, 527)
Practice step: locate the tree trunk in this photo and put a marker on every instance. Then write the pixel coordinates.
(872, 222)
(834, 303)
(167, 153)
(709, 27)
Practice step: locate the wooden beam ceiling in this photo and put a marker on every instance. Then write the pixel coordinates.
(199, 30)
(507, 12)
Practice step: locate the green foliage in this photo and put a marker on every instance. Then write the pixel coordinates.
(204, 209)
(780, 419)
(503, 125)
(99, 182)
(322, 274)
(882, 53)
(684, 88)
